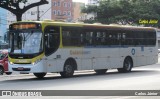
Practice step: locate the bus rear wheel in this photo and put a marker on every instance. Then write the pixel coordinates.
(1, 71)
(127, 66)
(100, 71)
(68, 70)
(39, 75)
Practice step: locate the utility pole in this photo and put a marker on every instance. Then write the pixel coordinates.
(38, 18)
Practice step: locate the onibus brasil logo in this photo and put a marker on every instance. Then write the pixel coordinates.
(21, 93)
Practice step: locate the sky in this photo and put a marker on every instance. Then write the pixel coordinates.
(84, 1)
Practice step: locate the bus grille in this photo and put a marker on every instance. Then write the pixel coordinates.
(24, 69)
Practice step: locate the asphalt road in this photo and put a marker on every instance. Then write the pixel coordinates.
(141, 78)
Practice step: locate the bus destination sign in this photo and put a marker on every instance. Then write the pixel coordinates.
(24, 26)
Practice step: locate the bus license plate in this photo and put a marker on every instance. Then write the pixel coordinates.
(20, 68)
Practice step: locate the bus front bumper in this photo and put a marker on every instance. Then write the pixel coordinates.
(27, 68)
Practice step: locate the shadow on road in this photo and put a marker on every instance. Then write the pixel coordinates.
(86, 75)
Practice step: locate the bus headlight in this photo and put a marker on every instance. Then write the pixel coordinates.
(33, 63)
(11, 63)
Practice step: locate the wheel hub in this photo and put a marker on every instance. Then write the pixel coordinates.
(68, 69)
(127, 65)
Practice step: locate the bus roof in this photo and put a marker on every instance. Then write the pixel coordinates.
(87, 25)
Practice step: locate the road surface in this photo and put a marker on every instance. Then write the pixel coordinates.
(141, 78)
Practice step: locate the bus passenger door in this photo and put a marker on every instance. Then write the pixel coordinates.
(51, 43)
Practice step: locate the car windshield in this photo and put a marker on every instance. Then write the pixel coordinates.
(2, 56)
(25, 42)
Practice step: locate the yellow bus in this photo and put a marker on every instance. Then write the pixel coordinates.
(42, 47)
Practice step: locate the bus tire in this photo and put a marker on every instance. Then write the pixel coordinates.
(1, 70)
(8, 73)
(100, 71)
(127, 66)
(68, 70)
(39, 75)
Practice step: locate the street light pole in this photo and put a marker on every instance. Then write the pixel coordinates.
(38, 18)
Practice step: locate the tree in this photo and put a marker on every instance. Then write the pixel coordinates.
(127, 11)
(14, 6)
(89, 9)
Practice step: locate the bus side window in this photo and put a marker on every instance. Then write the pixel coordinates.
(124, 39)
(87, 37)
(82, 39)
(52, 39)
(98, 38)
(72, 36)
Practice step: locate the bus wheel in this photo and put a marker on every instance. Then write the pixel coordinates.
(100, 71)
(127, 66)
(39, 75)
(8, 73)
(1, 71)
(68, 70)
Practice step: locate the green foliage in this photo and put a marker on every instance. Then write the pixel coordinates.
(127, 11)
(89, 9)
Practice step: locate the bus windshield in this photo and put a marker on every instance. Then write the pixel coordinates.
(25, 42)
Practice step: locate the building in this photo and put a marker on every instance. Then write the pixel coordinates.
(3, 24)
(31, 14)
(77, 14)
(62, 10)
